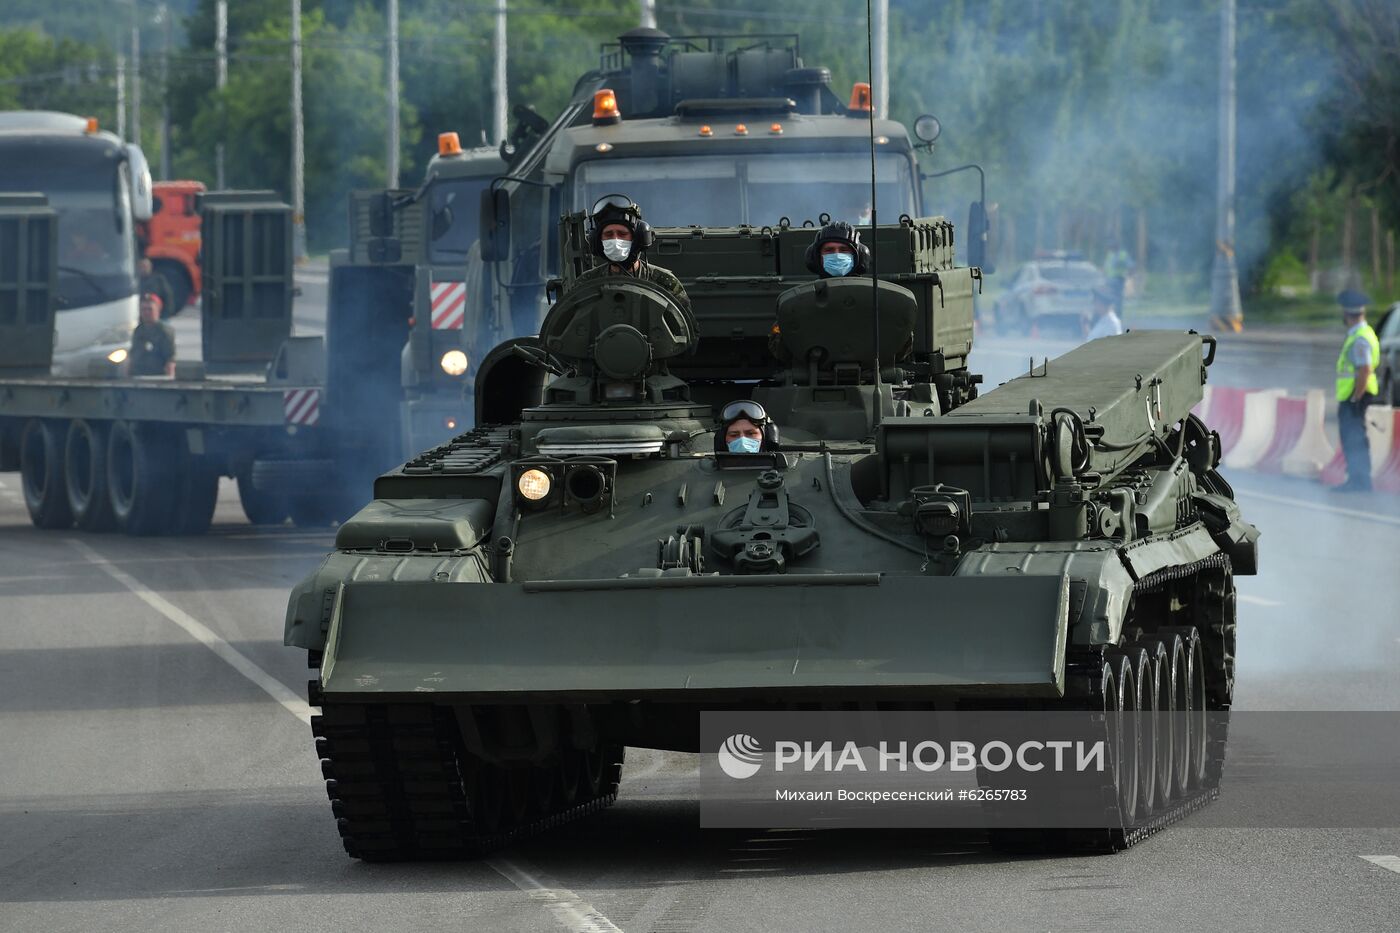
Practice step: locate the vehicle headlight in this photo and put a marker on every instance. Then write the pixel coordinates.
(454, 362)
(533, 485)
(117, 356)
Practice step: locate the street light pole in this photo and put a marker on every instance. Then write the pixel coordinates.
(498, 113)
(880, 13)
(648, 14)
(392, 160)
(135, 80)
(220, 80)
(298, 143)
(1225, 310)
(165, 93)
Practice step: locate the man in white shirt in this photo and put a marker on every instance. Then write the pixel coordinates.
(1104, 322)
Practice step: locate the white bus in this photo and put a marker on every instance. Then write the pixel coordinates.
(100, 188)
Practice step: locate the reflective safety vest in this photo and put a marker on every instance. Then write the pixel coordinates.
(1346, 370)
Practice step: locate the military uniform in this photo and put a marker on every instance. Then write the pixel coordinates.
(656, 275)
(152, 346)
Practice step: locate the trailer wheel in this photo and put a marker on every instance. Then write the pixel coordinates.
(42, 474)
(85, 469)
(262, 506)
(142, 477)
(199, 493)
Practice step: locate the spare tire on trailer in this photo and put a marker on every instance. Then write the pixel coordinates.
(42, 474)
(85, 474)
(143, 462)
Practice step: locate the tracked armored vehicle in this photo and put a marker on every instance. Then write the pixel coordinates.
(517, 606)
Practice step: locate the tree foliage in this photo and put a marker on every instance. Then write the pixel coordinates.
(1086, 115)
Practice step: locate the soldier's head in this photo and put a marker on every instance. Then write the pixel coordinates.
(1353, 304)
(745, 428)
(837, 251)
(617, 231)
(150, 308)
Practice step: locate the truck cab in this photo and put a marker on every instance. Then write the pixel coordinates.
(171, 239)
(713, 131)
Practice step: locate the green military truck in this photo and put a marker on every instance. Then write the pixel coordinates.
(712, 131)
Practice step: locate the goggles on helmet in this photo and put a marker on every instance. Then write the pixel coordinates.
(615, 202)
(744, 408)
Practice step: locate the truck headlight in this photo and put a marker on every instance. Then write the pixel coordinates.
(454, 362)
(533, 485)
(117, 356)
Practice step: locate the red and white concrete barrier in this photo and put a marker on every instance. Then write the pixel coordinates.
(1386, 476)
(1258, 425)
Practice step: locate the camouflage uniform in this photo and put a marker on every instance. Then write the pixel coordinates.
(656, 275)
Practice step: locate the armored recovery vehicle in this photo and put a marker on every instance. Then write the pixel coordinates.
(517, 606)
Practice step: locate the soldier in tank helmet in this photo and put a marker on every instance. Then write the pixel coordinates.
(745, 428)
(837, 251)
(618, 234)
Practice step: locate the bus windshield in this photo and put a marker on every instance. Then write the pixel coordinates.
(96, 248)
(725, 190)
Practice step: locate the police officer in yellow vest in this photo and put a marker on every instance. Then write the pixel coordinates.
(1357, 388)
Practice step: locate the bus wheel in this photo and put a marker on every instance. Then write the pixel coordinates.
(85, 468)
(41, 474)
(142, 480)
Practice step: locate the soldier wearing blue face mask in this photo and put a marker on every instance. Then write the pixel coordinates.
(745, 428)
(837, 251)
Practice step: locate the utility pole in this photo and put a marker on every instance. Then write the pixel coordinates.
(1225, 310)
(880, 13)
(392, 161)
(220, 80)
(298, 144)
(135, 80)
(165, 93)
(648, 14)
(121, 96)
(498, 83)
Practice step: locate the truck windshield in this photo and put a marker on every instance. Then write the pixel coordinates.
(455, 205)
(96, 249)
(723, 190)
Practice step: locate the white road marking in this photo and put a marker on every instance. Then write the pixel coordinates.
(1319, 507)
(1388, 862)
(200, 633)
(1257, 600)
(568, 909)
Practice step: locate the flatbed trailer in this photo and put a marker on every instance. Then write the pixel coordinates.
(144, 454)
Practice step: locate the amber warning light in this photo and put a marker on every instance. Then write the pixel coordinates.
(860, 97)
(605, 107)
(449, 144)
(92, 124)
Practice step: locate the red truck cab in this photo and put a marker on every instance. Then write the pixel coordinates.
(172, 238)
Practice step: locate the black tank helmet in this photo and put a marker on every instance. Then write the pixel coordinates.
(618, 209)
(838, 231)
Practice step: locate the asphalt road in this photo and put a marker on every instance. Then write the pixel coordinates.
(157, 772)
(146, 783)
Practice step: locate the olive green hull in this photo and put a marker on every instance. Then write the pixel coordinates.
(760, 639)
